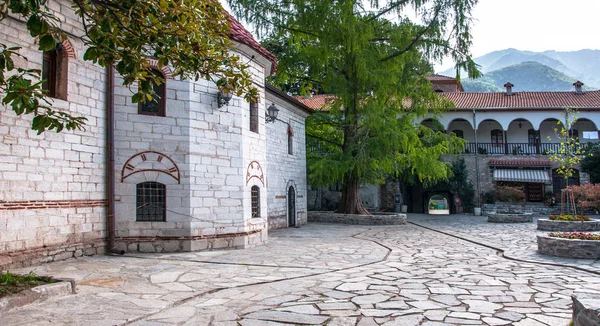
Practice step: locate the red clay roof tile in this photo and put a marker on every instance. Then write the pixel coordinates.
(242, 35)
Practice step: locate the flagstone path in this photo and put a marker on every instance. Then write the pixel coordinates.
(324, 274)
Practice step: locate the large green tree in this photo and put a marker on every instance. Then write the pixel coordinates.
(591, 163)
(374, 60)
(192, 36)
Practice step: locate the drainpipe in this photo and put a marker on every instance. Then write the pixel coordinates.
(110, 159)
(478, 199)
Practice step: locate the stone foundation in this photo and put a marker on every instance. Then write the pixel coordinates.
(187, 244)
(36, 256)
(568, 226)
(586, 308)
(376, 219)
(570, 248)
(510, 218)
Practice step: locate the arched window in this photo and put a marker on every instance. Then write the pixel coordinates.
(157, 105)
(255, 198)
(253, 116)
(497, 138)
(55, 70)
(459, 134)
(151, 201)
(533, 136)
(290, 134)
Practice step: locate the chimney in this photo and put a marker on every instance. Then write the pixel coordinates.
(578, 85)
(509, 87)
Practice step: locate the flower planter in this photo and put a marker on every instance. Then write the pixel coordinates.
(569, 248)
(510, 218)
(439, 211)
(568, 226)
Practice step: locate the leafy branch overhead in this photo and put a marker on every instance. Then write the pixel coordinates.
(191, 36)
(372, 61)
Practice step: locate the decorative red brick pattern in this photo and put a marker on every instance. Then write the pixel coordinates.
(69, 50)
(281, 197)
(44, 204)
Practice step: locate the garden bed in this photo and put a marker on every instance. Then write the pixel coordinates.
(569, 248)
(510, 218)
(375, 219)
(568, 226)
(19, 290)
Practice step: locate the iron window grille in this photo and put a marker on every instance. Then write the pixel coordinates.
(255, 196)
(151, 202)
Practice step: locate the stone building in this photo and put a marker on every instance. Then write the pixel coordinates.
(184, 173)
(509, 138)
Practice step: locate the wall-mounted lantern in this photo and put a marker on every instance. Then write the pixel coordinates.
(272, 112)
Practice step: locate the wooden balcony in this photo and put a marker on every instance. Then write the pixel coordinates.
(513, 148)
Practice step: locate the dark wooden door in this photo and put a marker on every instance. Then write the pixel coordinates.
(534, 192)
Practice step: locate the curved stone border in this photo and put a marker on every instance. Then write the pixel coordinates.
(510, 218)
(586, 307)
(569, 248)
(568, 226)
(37, 294)
(375, 219)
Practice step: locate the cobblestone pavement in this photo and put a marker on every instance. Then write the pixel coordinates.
(322, 274)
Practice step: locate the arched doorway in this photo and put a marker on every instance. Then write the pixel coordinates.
(291, 206)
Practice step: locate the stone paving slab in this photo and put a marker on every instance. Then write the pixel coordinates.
(352, 275)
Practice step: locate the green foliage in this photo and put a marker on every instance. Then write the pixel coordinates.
(569, 152)
(375, 69)
(459, 184)
(189, 35)
(590, 164)
(12, 283)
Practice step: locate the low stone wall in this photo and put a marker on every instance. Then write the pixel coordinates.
(568, 226)
(37, 294)
(510, 218)
(586, 308)
(375, 219)
(570, 248)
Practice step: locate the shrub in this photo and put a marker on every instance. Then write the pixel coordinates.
(510, 194)
(587, 196)
(568, 217)
(576, 235)
(489, 197)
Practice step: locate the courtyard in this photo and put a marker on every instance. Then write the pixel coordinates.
(442, 270)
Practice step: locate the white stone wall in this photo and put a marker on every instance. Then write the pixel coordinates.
(285, 170)
(52, 193)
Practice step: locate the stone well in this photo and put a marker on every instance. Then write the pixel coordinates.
(375, 219)
(569, 248)
(568, 226)
(510, 218)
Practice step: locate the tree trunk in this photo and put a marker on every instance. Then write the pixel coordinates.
(350, 202)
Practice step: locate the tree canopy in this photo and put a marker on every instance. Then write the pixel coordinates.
(192, 36)
(373, 60)
(590, 164)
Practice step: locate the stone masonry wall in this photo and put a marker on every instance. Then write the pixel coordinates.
(286, 170)
(52, 197)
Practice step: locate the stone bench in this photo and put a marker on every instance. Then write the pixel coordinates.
(586, 308)
(357, 219)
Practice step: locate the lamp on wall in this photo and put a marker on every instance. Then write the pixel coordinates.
(223, 96)
(272, 112)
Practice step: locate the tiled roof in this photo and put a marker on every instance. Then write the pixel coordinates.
(524, 100)
(440, 78)
(240, 34)
(520, 162)
(317, 102)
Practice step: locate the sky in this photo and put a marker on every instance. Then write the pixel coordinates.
(533, 25)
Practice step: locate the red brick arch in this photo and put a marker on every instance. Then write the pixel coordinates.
(68, 48)
(165, 69)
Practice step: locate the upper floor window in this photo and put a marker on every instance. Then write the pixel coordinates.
(157, 105)
(459, 134)
(55, 70)
(253, 116)
(255, 199)
(290, 134)
(533, 137)
(497, 137)
(151, 200)
(574, 133)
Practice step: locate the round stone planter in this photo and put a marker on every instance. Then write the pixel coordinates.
(569, 248)
(375, 219)
(568, 226)
(510, 218)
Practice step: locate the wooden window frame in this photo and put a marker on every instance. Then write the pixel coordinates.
(56, 80)
(499, 136)
(162, 100)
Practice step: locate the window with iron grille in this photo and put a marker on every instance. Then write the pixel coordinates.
(255, 195)
(253, 116)
(157, 106)
(151, 202)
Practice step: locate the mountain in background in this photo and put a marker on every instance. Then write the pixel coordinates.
(535, 71)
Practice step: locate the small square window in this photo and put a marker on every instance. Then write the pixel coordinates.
(255, 198)
(151, 202)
